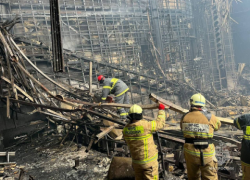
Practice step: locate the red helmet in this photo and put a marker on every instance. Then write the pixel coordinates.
(100, 78)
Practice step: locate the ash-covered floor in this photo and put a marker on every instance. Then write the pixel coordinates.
(45, 159)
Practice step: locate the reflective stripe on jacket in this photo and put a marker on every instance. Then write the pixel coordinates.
(243, 123)
(196, 125)
(139, 138)
(113, 86)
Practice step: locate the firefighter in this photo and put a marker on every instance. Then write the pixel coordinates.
(118, 88)
(139, 138)
(243, 123)
(198, 127)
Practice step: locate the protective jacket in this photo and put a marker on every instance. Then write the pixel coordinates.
(139, 138)
(243, 123)
(198, 124)
(198, 129)
(113, 86)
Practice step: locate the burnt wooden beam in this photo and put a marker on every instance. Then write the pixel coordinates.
(146, 106)
(103, 133)
(69, 110)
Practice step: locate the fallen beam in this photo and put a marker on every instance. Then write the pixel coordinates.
(69, 110)
(103, 133)
(179, 109)
(146, 106)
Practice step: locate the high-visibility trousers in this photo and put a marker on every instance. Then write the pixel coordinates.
(196, 172)
(245, 171)
(148, 171)
(123, 99)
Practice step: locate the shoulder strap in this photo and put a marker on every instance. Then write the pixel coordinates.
(207, 114)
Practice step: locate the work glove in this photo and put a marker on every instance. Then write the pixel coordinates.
(161, 107)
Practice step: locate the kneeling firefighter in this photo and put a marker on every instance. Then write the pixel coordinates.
(118, 88)
(198, 127)
(243, 123)
(139, 138)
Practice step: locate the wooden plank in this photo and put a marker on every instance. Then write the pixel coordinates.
(103, 133)
(167, 103)
(226, 120)
(143, 106)
(179, 109)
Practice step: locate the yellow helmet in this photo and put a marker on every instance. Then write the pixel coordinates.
(135, 112)
(198, 100)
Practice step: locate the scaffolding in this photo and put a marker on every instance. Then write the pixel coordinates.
(214, 30)
(153, 45)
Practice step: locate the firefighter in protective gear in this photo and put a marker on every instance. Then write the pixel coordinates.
(198, 127)
(118, 88)
(139, 138)
(243, 123)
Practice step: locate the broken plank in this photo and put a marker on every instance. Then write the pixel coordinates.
(103, 133)
(167, 103)
(146, 106)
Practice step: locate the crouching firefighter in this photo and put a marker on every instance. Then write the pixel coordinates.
(243, 123)
(118, 88)
(139, 138)
(198, 127)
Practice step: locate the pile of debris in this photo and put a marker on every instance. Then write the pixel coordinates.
(78, 119)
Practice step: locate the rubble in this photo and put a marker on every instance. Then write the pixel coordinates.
(43, 161)
(81, 125)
